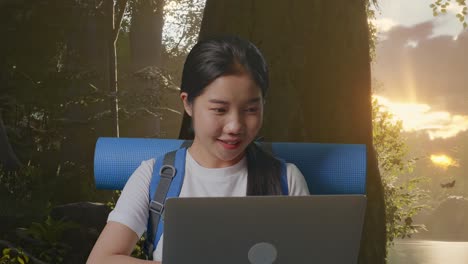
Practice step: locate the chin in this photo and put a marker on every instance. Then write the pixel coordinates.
(229, 157)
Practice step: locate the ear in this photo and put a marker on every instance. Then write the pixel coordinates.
(187, 105)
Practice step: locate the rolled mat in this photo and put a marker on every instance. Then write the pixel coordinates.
(327, 168)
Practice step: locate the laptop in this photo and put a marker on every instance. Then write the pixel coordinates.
(263, 229)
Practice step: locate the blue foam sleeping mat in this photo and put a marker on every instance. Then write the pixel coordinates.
(327, 168)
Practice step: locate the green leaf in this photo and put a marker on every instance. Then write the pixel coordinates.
(465, 25)
(6, 251)
(443, 10)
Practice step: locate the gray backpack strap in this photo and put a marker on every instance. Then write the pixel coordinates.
(186, 144)
(166, 174)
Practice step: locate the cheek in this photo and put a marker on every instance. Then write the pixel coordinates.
(255, 123)
(204, 122)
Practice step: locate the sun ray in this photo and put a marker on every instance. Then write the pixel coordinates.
(408, 76)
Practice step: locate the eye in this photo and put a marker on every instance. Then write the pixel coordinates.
(252, 110)
(218, 110)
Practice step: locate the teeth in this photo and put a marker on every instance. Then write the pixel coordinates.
(231, 142)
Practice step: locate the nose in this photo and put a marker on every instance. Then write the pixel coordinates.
(235, 124)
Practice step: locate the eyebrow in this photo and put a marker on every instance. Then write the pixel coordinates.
(217, 101)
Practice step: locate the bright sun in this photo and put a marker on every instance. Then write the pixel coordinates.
(443, 161)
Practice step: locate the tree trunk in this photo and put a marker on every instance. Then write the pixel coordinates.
(90, 54)
(114, 18)
(146, 28)
(86, 56)
(146, 33)
(111, 76)
(318, 53)
(8, 159)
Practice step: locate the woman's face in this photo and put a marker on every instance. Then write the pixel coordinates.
(226, 118)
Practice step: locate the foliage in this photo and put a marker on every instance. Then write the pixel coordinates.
(182, 24)
(46, 238)
(19, 183)
(182, 21)
(138, 251)
(40, 99)
(54, 103)
(24, 195)
(13, 256)
(440, 7)
(146, 100)
(404, 197)
(114, 198)
(370, 5)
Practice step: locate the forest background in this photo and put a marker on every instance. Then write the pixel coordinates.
(73, 71)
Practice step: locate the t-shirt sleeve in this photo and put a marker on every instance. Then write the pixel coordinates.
(157, 254)
(296, 181)
(132, 206)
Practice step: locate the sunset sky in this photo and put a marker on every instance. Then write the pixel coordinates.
(420, 74)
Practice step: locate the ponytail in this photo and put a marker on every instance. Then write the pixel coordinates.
(264, 172)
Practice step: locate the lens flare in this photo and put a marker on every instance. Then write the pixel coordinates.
(443, 161)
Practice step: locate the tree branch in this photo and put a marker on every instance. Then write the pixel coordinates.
(121, 4)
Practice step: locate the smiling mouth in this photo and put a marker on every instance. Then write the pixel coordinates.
(229, 144)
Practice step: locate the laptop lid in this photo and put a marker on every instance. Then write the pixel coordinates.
(263, 229)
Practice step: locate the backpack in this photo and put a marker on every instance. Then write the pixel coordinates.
(166, 182)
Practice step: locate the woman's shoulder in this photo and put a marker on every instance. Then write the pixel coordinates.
(141, 177)
(292, 169)
(148, 164)
(297, 183)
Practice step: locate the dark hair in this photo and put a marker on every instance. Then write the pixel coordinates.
(230, 55)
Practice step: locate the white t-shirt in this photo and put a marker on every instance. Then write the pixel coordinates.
(132, 208)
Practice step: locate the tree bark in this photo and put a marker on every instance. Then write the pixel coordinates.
(146, 28)
(318, 53)
(146, 33)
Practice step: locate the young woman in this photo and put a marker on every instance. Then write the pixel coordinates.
(224, 84)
